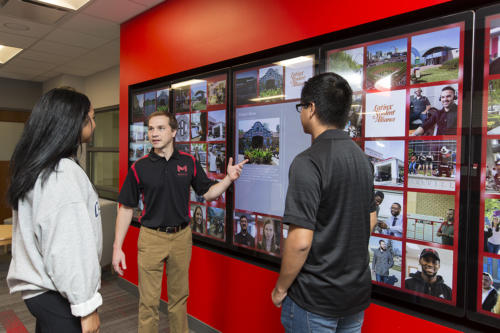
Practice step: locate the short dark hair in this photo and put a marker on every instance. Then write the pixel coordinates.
(396, 203)
(172, 121)
(332, 97)
(449, 88)
(380, 241)
(244, 216)
(379, 194)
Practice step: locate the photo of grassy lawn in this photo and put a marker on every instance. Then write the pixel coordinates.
(444, 72)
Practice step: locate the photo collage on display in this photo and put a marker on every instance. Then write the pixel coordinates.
(143, 105)
(489, 224)
(200, 109)
(269, 134)
(406, 116)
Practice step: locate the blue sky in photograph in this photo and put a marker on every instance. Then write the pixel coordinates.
(447, 37)
(218, 115)
(385, 47)
(245, 125)
(197, 87)
(252, 73)
(388, 149)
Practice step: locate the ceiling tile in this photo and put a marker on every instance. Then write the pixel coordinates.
(36, 30)
(92, 26)
(29, 64)
(10, 39)
(46, 76)
(16, 76)
(72, 70)
(43, 56)
(59, 49)
(75, 38)
(114, 10)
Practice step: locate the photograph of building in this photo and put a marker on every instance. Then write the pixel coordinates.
(435, 56)
(387, 158)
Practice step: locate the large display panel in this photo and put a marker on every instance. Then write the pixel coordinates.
(407, 116)
(200, 106)
(268, 133)
(487, 222)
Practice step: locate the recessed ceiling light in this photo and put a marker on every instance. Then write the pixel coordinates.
(67, 4)
(16, 26)
(7, 53)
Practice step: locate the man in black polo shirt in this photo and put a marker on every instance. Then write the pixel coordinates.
(325, 276)
(162, 180)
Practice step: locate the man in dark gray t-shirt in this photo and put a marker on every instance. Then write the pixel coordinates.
(325, 274)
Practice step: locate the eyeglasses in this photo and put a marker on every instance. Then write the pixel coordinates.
(301, 106)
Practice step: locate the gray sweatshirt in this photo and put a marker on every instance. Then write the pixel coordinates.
(57, 240)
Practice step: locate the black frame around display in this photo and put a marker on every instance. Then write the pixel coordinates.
(469, 151)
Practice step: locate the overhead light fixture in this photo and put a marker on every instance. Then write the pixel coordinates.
(260, 99)
(186, 83)
(60, 4)
(7, 53)
(293, 61)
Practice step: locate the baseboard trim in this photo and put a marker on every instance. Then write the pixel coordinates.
(195, 325)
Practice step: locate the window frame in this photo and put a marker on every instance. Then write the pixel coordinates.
(102, 191)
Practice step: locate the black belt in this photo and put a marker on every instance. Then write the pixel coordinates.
(170, 229)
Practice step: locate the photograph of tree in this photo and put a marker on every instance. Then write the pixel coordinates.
(199, 96)
(138, 108)
(259, 141)
(386, 65)
(348, 64)
(162, 100)
(435, 56)
(493, 123)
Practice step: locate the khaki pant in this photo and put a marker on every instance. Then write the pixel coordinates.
(155, 248)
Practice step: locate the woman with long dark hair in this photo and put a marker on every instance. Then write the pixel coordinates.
(494, 234)
(57, 233)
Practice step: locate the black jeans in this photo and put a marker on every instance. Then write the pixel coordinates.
(53, 313)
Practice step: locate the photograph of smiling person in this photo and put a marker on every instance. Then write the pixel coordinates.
(429, 270)
(244, 229)
(441, 118)
(198, 218)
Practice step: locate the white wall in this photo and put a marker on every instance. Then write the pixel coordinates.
(103, 88)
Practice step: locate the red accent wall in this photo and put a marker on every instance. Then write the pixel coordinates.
(225, 293)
